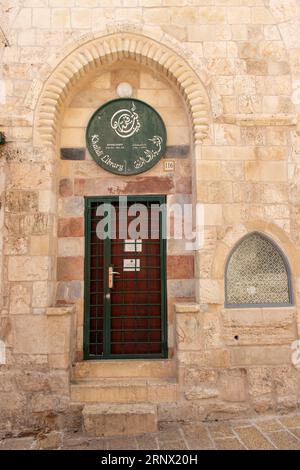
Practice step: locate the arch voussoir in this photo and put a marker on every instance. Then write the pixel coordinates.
(91, 55)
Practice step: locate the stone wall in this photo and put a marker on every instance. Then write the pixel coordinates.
(234, 362)
(229, 70)
(35, 381)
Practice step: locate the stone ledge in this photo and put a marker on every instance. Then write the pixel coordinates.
(260, 355)
(61, 310)
(259, 326)
(52, 333)
(265, 316)
(187, 308)
(259, 119)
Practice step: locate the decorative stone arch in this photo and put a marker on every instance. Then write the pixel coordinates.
(78, 61)
(103, 50)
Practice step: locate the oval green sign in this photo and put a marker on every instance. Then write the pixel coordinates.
(126, 136)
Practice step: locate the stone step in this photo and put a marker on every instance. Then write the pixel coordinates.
(104, 420)
(156, 368)
(124, 391)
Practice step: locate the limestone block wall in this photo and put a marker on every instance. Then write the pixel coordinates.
(235, 64)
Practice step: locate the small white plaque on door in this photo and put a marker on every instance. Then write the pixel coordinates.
(133, 245)
(131, 265)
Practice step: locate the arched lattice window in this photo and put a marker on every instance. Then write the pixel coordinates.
(257, 273)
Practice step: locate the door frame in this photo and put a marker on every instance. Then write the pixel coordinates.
(161, 199)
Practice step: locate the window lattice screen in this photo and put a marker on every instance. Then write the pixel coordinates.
(257, 274)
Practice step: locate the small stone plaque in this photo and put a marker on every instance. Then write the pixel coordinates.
(169, 165)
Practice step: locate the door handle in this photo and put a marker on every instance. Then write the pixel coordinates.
(111, 274)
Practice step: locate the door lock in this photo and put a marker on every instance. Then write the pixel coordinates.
(111, 273)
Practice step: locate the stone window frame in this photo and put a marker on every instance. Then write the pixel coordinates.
(286, 265)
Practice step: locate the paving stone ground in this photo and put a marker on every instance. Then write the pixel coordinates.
(265, 433)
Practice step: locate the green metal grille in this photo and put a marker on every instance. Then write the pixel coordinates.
(257, 274)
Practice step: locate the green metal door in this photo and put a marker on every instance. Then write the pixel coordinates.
(125, 278)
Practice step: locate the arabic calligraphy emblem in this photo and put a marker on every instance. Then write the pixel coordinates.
(126, 136)
(125, 122)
